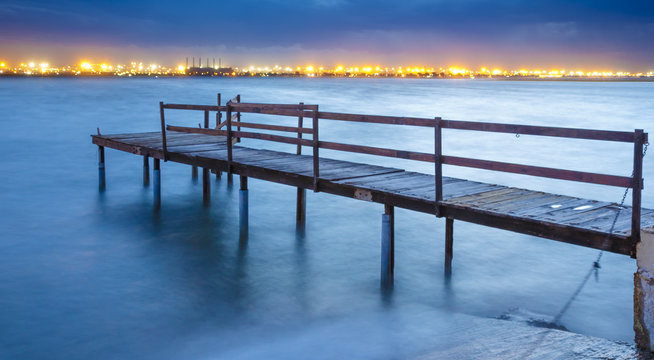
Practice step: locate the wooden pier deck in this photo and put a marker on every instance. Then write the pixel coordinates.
(583, 222)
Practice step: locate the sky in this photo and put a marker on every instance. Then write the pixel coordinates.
(579, 34)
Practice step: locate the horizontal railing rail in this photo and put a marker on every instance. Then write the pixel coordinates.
(234, 108)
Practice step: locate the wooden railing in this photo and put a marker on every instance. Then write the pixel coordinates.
(234, 108)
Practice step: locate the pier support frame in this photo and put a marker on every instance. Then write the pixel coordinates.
(146, 171)
(388, 246)
(102, 181)
(449, 245)
(156, 190)
(644, 291)
(194, 172)
(243, 210)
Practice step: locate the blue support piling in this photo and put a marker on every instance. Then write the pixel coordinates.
(157, 184)
(102, 181)
(387, 248)
(243, 205)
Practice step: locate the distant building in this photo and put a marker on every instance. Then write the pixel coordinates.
(208, 71)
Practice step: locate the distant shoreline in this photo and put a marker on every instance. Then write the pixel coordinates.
(503, 78)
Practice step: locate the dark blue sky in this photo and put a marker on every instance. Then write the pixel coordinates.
(512, 33)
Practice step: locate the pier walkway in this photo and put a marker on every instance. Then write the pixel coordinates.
(584, 222)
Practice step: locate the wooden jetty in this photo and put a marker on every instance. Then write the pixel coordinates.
(568, 219)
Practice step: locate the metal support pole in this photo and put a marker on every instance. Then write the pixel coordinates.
(206, 185)
(387, 247)
(449, 245)
(301, 209)
(194, 172)
(157, 184)
(146, 171)
(102, 182)
(243, 205)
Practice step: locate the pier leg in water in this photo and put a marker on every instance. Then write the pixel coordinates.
(206, 185)
(449, 245)
(146, 171)
(644, 291)
(387, 247)
(102, 181)
(301, 209)
(194, 173)
(219, 174)
(157, 184)
(243, 205)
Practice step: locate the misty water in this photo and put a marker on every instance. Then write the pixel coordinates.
(89, 275)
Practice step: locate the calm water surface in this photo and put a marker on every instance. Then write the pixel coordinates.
(85, 275)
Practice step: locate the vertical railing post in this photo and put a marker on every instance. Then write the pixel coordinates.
(163, 131)
(637, 185)
(206, 184)
(438, 164)
(238, 116)
(301, 208)
(316, 157)
(229, 139)
(219, 116)
(102, 182)
(300, 124)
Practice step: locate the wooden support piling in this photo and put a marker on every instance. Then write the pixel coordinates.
(206, 185)
(301, 208)
(146, 171)
(157, 183)
(387, 246)
(449, 245)
(243, 205)
(194, 172)
(102, 181)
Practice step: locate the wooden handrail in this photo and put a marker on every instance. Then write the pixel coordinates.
(579, 176)
(194, 107)
(371, 150)
(604, 135)
(244, 134)
(292, 129)
(239, 106)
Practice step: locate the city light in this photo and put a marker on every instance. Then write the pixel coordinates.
(137, 68)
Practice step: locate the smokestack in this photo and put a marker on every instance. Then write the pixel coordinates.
(187, 62)
(194, 61)
(200, 62)
(207, 62)
(214, 63)
(220, 63)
